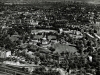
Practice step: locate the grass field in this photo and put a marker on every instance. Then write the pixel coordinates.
(62, 47)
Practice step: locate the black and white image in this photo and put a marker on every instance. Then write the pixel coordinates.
(49, 37)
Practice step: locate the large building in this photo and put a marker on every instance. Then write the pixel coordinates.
(97, 26)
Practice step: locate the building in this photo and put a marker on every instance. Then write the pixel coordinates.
(5, 54)
(97, 26)
(32, 22)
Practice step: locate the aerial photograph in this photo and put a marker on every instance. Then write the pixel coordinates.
(49, 37)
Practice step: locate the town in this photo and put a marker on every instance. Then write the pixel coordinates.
(50, 38)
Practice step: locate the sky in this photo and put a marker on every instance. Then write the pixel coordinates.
(32, 1)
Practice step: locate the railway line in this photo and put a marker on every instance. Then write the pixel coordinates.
(11, 71)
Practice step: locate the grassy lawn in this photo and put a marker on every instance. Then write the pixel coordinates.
(63, 47)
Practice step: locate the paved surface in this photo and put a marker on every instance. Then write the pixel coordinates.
(40, 36)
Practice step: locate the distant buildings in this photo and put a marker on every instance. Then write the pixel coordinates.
(11, 3)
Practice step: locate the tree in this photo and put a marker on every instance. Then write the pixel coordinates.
(89, 43)
(52, 49)
(11, 31)
(95, 31)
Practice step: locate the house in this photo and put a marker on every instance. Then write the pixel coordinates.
(97, 25)
(5, 54)
(33, 22)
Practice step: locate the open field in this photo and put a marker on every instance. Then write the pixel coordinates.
(63, 47)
